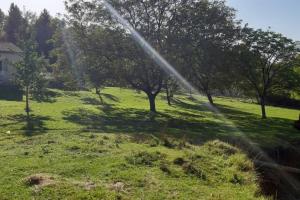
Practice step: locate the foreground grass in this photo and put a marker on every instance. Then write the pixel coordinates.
(74, 165)
(79, 149)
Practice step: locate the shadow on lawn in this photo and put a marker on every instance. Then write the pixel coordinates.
(48, 96)
(34, 126)
(111, 120)
(190, 120)
(94, 101)
(260, 129)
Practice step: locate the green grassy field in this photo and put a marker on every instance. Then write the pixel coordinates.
(78, 149)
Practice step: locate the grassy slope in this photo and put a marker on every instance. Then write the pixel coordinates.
(70, 144)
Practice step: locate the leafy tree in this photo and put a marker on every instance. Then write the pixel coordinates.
(99, 56)
(65, 55)
(44, 32)
(207, 30)
(152, 19)
(29, 70)
(264, 58)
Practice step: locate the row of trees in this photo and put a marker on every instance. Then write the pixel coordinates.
(202, 39)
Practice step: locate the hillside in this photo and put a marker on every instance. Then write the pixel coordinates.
(78, 149)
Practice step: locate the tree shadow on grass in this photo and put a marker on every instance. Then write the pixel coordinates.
(199, 106)
(33, 126)
(267, 130)
(111, 97)
(90, 101)
(132, 121)
(48, 96)
(195, 121)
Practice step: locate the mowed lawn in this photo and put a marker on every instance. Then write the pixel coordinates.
(126, 111)
(76, 148)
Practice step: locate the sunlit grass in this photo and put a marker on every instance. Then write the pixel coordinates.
(84, 146)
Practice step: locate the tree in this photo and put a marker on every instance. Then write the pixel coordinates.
(263, 56)
(2, 23)
(29, 71)
(65, 57)
(44, 32)
(14, 26)
(207, 30)
(152, 19)
(99, 56)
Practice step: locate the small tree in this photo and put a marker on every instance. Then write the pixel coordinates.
(263, 57)
(29, 71)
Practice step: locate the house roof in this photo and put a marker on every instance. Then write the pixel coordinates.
(8, 47)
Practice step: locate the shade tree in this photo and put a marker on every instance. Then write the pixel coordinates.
(263, 59)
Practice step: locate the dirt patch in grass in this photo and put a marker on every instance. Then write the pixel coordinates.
(40, 180)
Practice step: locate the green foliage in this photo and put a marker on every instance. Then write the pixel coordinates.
(43, 34)
(14, 26)
(29, 72)
(263, 59)
(30, 69)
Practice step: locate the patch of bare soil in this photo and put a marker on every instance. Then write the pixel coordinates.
(40, 180)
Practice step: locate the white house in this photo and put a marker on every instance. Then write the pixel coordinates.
(9, 54)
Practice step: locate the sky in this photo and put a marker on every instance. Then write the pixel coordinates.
(281, 15)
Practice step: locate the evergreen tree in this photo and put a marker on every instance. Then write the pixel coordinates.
(44, 33)
(14, 24)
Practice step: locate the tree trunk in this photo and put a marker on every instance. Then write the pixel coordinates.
(27, 109)
(190, 91)
(151, 98)
(263, 108)
(168, 95)
(210, 99)
(99, 95)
